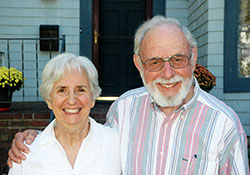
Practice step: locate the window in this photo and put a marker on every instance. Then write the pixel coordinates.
(237, 46)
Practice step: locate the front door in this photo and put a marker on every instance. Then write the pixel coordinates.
(115, 22)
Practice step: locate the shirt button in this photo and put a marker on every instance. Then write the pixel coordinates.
(162, 153)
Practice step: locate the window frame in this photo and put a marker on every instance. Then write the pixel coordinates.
(232, 83)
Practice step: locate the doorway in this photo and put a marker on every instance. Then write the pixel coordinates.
(114, 25)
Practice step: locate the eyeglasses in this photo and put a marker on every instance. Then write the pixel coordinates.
(157, 63)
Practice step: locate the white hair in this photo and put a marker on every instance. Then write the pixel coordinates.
(158, 21)
(55, 68)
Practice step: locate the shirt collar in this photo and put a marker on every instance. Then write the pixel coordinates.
(195, 96)
(94, 135)
(48, 135)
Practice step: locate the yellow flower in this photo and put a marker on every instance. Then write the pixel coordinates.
(11, 78)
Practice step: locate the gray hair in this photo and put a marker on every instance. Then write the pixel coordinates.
(56, 67)
(158, 21)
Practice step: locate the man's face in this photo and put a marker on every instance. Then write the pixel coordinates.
(168, 86)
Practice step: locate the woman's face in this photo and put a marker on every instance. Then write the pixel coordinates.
(71, 98)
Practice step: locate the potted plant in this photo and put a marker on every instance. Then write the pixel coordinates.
(205, 78)
(10, 80)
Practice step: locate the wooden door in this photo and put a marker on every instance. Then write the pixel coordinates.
(115, 22)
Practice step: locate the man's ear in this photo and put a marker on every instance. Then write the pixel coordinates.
(136, 62)
(93, 104)
(194, 54)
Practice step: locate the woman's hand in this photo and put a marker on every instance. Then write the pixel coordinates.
(18, 146)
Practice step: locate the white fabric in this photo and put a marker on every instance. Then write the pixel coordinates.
(98, 154)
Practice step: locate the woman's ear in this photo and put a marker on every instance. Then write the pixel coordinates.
(136, 62)
(49, 104)
(93, 104)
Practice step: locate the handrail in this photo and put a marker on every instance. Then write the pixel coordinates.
(7, 46)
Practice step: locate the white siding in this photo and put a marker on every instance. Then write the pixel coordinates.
(21, 19)
(198, 25)
(177, 9)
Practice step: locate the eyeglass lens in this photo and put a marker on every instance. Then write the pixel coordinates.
(177, 61)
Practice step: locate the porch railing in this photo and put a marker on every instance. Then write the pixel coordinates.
(25, 55)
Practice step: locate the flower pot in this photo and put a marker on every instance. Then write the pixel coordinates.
(5, 99)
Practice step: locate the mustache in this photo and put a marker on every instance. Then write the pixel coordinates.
(175, 79)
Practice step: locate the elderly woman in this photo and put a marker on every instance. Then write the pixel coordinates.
(73, 143)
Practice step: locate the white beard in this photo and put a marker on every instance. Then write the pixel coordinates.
(172, 100)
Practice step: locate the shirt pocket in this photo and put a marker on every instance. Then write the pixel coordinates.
(195, 165)
(189, 165)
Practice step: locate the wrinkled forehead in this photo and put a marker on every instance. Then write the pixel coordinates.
(165, 32)
(164, 40)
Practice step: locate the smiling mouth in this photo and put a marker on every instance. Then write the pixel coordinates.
(168, 85)
(72, 111)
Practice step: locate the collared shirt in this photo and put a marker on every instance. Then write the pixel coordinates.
(98, 154)
(203, 137)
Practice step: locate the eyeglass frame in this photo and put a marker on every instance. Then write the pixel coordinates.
(167, 59)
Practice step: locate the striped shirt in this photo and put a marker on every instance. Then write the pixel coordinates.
(203, 137)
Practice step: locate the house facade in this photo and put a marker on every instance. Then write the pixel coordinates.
(102, 31)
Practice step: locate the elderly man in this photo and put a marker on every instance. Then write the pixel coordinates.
(171, 126)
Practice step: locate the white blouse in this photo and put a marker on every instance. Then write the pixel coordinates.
(98, 154)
